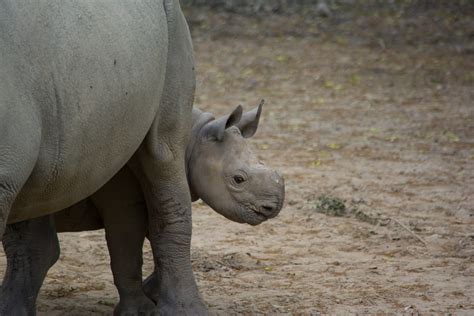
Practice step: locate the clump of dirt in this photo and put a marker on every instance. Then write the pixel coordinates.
(334, 206)
(331, 206)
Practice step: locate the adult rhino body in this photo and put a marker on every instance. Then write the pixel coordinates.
(85, 87)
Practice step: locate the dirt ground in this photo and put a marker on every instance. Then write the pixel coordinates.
(383, 126)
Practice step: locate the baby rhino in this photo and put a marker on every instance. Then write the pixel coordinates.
(221, 170)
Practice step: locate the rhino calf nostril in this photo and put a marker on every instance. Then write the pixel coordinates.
(267, 208)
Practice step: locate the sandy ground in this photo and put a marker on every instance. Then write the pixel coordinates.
(388, 129)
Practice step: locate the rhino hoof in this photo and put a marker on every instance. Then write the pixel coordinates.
(16, 310)
(191, 308)
(134, 307)
(179, 304)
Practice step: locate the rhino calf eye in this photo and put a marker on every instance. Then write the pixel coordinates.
(239, 179)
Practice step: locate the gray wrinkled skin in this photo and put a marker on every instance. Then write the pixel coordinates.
(119, 206)
(85, 88)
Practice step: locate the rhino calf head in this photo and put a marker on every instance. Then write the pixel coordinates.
(225, 173)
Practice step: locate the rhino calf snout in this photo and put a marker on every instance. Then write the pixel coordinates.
(273, 203)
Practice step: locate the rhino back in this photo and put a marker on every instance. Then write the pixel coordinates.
(94, 72)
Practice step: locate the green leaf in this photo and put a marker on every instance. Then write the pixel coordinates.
(282, 58)
(334, 146)
(452, 137)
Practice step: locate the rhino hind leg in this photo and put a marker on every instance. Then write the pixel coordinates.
(159, 164)
(20, 139)
(31, 248)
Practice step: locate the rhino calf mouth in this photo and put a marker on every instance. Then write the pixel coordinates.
(257, 215)
(261, 215)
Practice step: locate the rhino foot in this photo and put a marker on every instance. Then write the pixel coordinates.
(176, 304)
(136, 305)
(10, 305)
(195, 307)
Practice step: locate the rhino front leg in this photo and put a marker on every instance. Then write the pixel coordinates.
(125, 242)
(123, 211)
(31, 248)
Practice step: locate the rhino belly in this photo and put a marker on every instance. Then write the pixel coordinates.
(97, 80)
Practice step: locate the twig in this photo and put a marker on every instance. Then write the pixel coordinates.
(411, 232)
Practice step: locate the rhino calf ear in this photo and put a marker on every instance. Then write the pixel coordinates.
(217, 127)
(249, 122)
